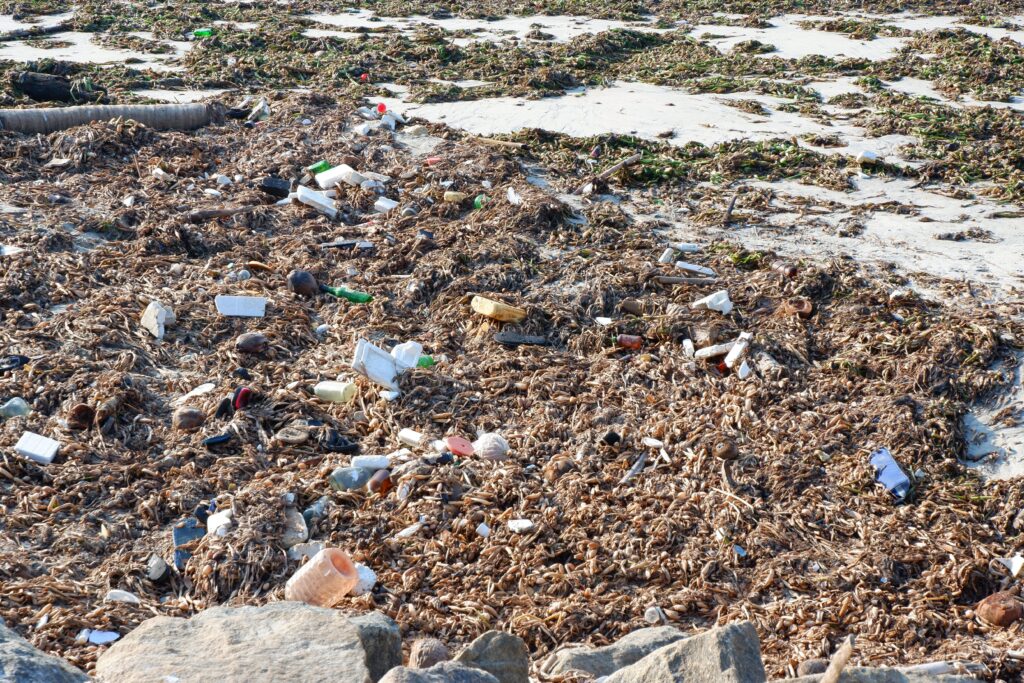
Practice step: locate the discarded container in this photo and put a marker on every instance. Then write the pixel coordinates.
(380, 482)
(204, 32)
(684, 247)
(371, 462)
(497, 310)
(383, 205)
(156, 318)
(667, 256)
(491, 446)
(719, 301)
(335, 392)
(241, 306)
(319, 167)
(16, 407)
(340, 174)
(889, 474)
(629, 341)
(317, 200)
(410, 437)
(324, 580)
(349, 478)
(347, 294)
(453, 197)
(37, 448)
(407, 355)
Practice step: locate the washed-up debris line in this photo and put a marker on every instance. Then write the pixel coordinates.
(639, 472)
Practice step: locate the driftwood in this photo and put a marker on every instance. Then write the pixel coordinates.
(53, 88)
(611, 170)
(209, 214)
(158, 116)
(19, 33)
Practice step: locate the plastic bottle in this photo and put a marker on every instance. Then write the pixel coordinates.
(347, 294)
(16, 407)
(203, 32)
(349, 478)
(324, 580)
(335, 392)
(343, 173)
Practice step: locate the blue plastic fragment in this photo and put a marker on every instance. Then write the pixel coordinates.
(889, 474)
(182, 534)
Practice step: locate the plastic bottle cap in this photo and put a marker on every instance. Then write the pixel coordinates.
(459, 446)
(381, 108)
(365, 78)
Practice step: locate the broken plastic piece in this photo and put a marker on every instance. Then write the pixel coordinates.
(157, 318)
(335, 392)
(376, 364)
(383, 205)
(317, 200)
(520, 526)
(694, 268)
(324, 580)
(497, 310)
(889, 474)
(719, 301)
(340, 174)
(739, 347)
(241, 306)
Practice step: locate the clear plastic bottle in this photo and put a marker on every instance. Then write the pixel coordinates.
(16, 407)
(328, 577)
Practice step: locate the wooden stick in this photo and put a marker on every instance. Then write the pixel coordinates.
(612, 170)
(30, 32)
(500, 143)
(728, 212)
(838, 663)
(676, 280)
(208, 214)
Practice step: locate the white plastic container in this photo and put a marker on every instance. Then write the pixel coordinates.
(407, 355)
(324, 580)
(383, 205)
(694, 268)
(684, 247)
(371, 462)
(335, 392)
(719, 301)
(738, 349)
(667, 256)
(340, 174)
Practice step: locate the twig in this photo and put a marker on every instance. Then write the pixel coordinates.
(838, 663)
(491, 142)
(208, 214)
(728, 212)
(611, 170)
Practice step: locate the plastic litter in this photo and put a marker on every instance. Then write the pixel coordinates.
(241, 306)
(497, 310)
(324, 580)
(16, 407)
(335, 392)
(889, 474)
(157, 318)
(37, 448)
(719, 301)
(376, 364)
(317, 200)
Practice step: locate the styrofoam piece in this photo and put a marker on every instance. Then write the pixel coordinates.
(340, 174)
(694, 268)
(157, 318)
(744, 370)
(371, 462)
(483, 529)
(37, 448)
(198, 391)
(410, 437)
(376, 364)
(383, 204)
(520, 526)
(719, 301)
(667, 256)
(241, 306)
(317, 200)
(738, 349)
(514, 198)
(122, 596)
(367, 580)
(714, 350)
(688, 348)
(219, 523)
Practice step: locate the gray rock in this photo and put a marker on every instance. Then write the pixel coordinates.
(426, 652)
(885, 675)
(445, 672)
(22, 663)
(500, 654)
(812, 666)
(295, 530)
(604, 661)
(382, 642)
(730, 654)
(282, 641)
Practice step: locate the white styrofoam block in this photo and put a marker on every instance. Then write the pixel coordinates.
(241, 306)
(37, 448)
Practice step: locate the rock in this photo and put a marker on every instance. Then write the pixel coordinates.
(426, 652)
(302, 283)
(730, 654)
(301, 551)
(445, 672)
(156, 568)
(812, 666)
(501, 654)
(295, 530)
(188, 419)
(157, 318)
(21, 662)
(382, 642)
(604, 661)
(252, 342)
(282, 641)
(1000, 609)
(883, 675)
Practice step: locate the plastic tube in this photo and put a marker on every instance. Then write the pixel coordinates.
(328, 577)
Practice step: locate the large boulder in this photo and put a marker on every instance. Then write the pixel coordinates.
(603, 661)
(884, 675)
(730, 654)
(500, 654)
(21, 662)
(282, 641)
(445, 672)
(382, 642)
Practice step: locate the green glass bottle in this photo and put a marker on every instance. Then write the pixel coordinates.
(347, 294)
(319, 167)
(203, 32)
(479, 201)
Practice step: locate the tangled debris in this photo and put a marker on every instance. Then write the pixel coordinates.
(790, 532)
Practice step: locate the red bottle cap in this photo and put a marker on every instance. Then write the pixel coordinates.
(242, 397)
(381, 108)
(365, 78)
(459, 446)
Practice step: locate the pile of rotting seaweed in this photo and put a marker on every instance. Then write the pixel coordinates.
(792, 534)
